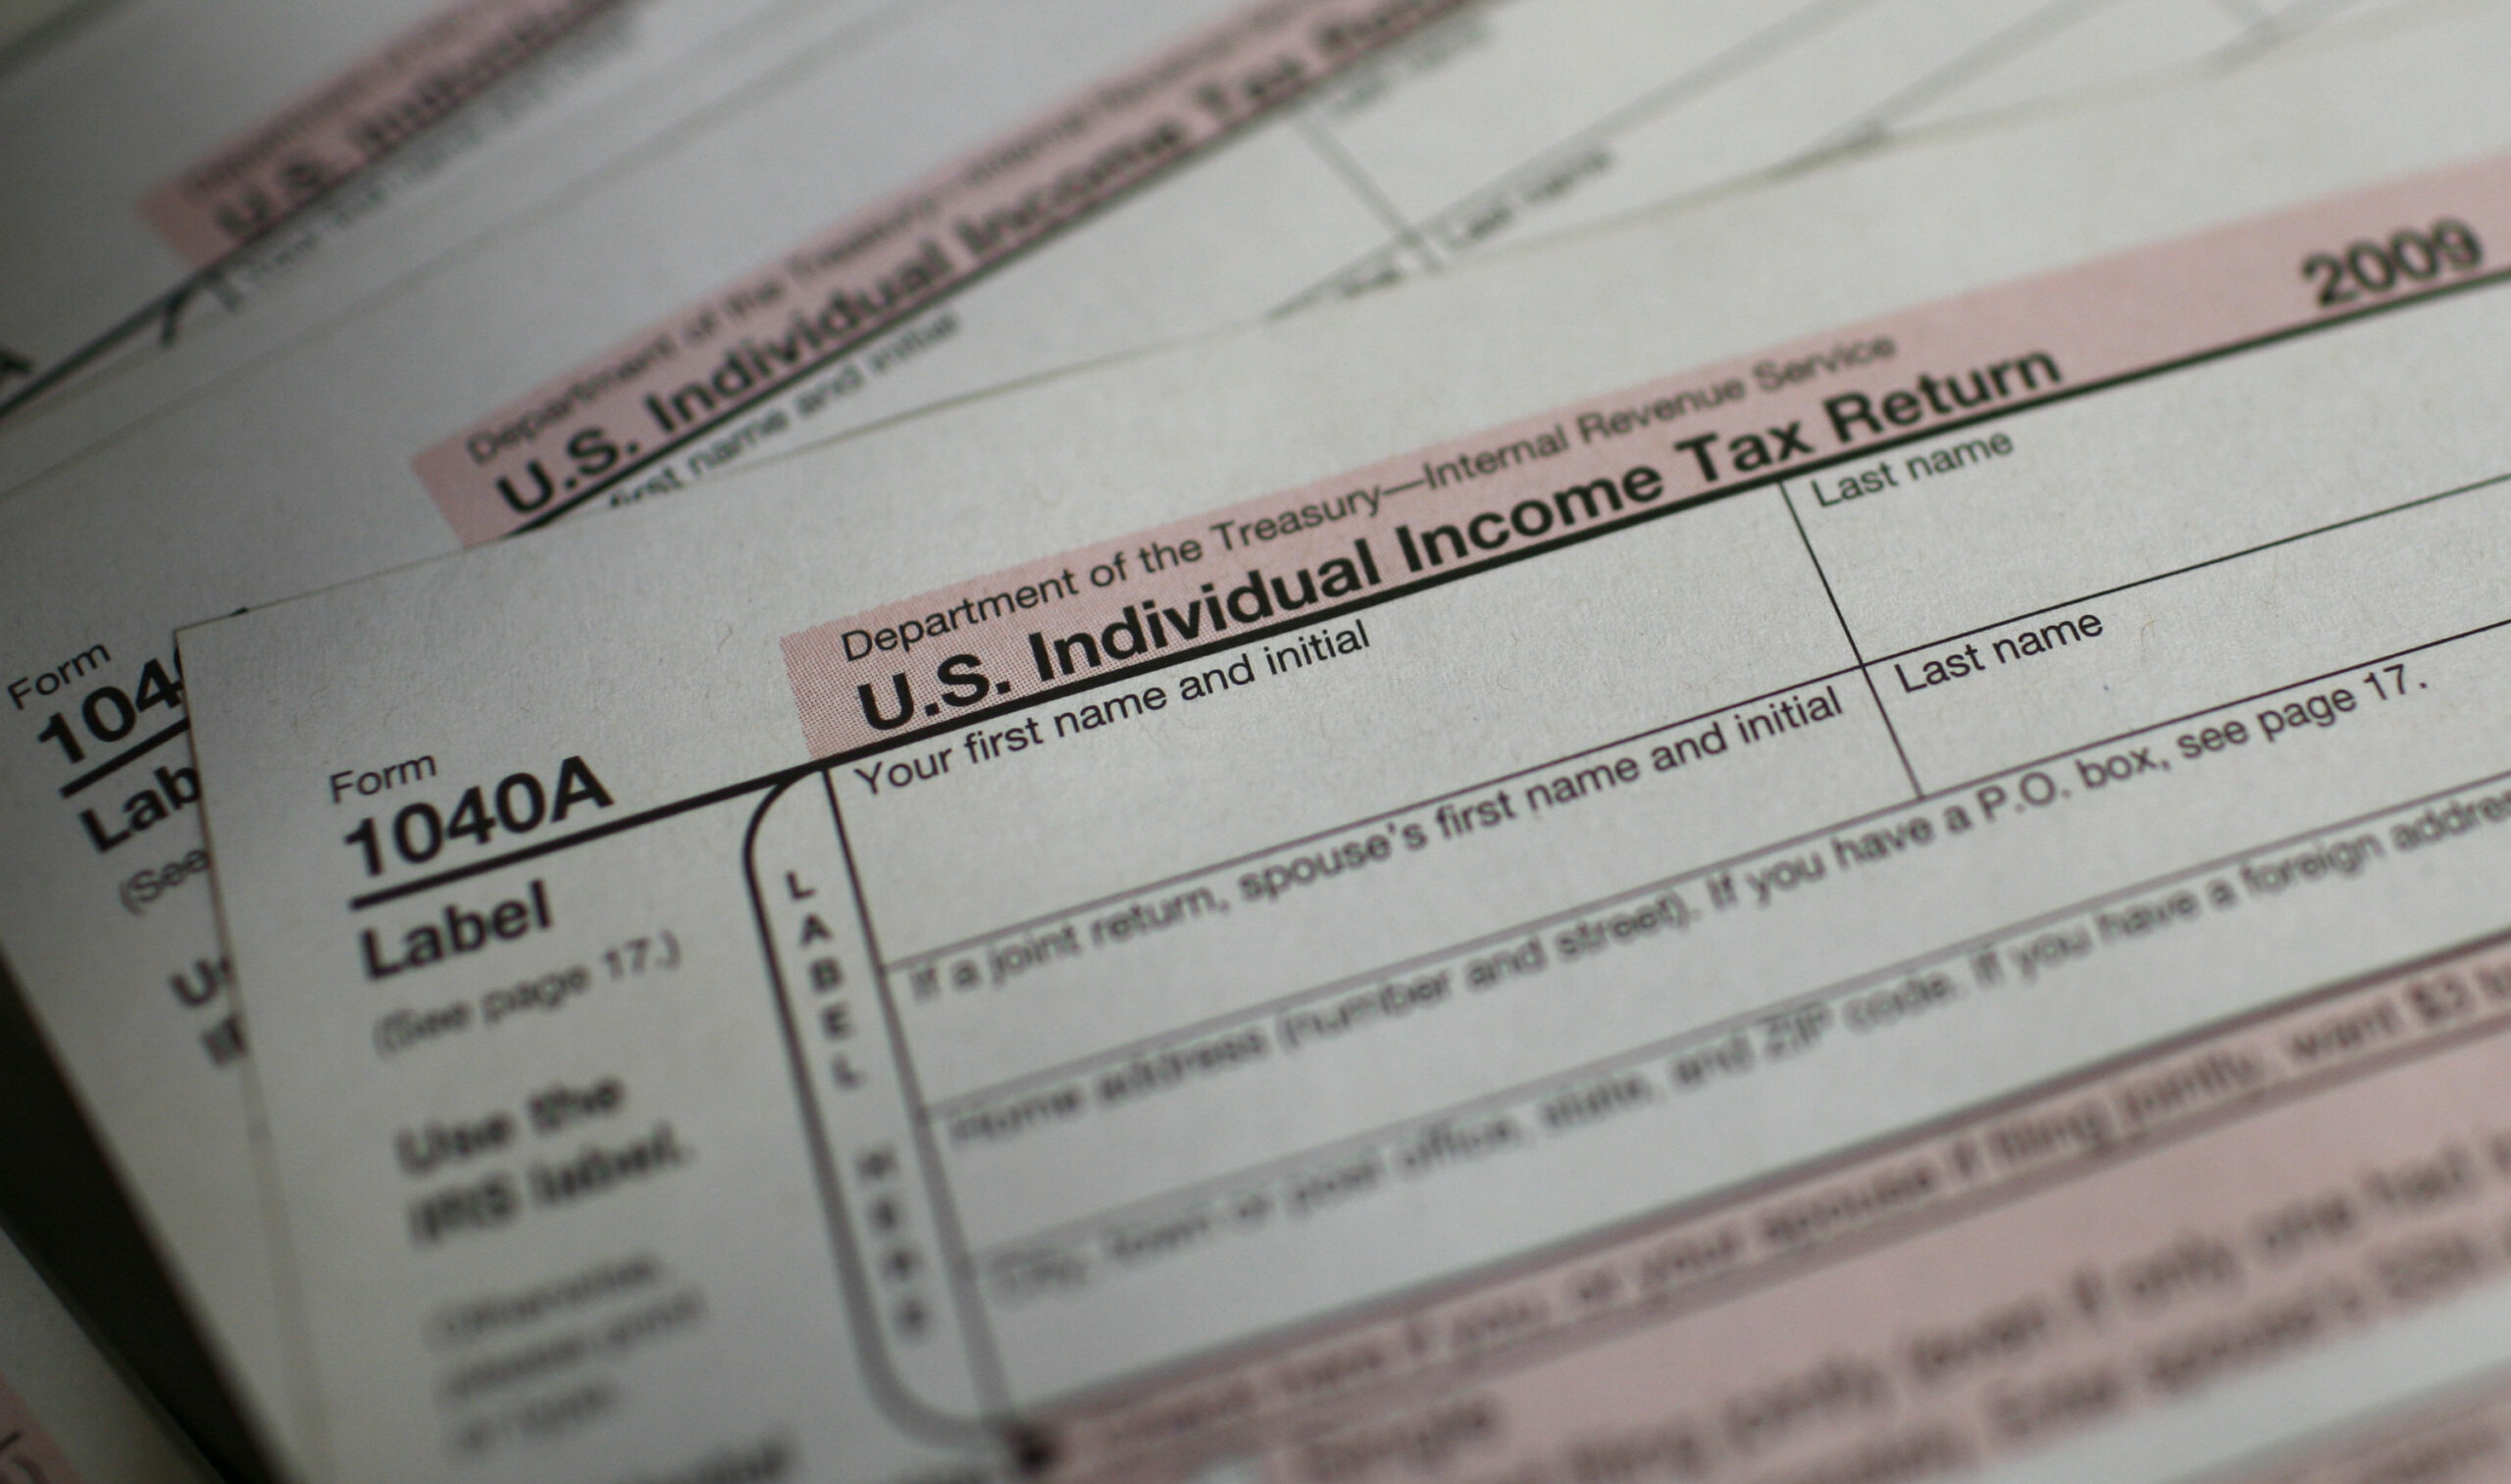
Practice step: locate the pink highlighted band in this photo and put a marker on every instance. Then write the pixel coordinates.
(274, 170)
(584, 430)
(934, 662)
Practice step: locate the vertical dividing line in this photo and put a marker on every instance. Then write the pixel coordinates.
(1855, 652)
(984, 1359)
(2269, 30)
(1364, 185)
(859, 1299)
(1875, 123)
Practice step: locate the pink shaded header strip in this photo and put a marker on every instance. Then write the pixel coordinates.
(618, 413)
(279, 167)
(931, 663)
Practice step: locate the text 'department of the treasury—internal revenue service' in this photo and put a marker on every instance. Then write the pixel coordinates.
(1900, 900)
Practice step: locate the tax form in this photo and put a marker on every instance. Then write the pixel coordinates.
(184, 161)
(1342, 130)
(1545, 879)
(66, 1416)
(733, 142)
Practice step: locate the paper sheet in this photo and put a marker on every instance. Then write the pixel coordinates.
(293, 473)
(188, 163)
(1842, 882)
(66, 1415)
(1520, 119)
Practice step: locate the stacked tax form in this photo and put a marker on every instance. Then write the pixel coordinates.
(103, 1420)
(1366, 739)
